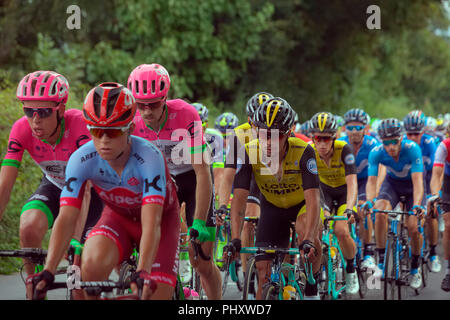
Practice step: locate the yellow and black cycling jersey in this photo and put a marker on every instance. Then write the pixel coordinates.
(342, 164)
(285, 190)
(242, 134)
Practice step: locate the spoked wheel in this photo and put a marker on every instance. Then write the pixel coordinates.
(270, 292)
(389, 273)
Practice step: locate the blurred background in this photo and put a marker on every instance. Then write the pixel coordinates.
(318, 55)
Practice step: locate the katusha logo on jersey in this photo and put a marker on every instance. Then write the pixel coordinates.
(121, 197)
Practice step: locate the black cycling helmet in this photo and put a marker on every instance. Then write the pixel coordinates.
(254, 102)
(414, 121)
(323, 122)
(356, 115)
(389, 128)
(275, 113)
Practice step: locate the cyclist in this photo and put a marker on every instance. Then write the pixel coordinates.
(289, 187)
(356, 128)
(174, 126)
(403, 160)
(441, 179)
(337, 172)
(215, 142)
(50, 134)
(414, 123)
(225, 123)
(141, 207)
(233, 160)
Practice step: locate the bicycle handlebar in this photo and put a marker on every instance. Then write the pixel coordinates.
(36, 255)
(197, 246)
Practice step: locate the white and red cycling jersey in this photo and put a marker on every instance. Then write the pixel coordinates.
(179, 136)
(51, 159)
(442, 157)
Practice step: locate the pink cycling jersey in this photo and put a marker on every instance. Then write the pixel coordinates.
(180, 132)
(51, 159)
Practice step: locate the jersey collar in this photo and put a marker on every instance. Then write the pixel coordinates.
(166, 112)
(61, 133)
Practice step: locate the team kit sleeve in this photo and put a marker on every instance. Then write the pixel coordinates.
(76, 175)
(374, 161)
(416, 158)
(197, 142)
(308, 168)
(348, 158)
(232, 152)
(153, 173)
(441, 155)
(244, 176)
(16, 145)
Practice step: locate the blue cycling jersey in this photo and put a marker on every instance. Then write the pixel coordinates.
(143, 180)
(362, 158)
(410, 161)
(428, 148)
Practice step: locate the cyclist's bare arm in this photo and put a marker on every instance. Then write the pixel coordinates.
(417, 180)
(62, 233)
(151, 216)
(352, 190)
(381, 176)
(371, 187)
(8, 175)
(226, 185)
(218, 174)
(81, 222)
(436, 179)
(237, 212)
(203, 189)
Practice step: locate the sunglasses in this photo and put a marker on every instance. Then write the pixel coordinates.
(323, 138)
(357, 128)
(413, 133)
(41, 112)
(269, 133)
(112, 133)
(392, 141)
(150, 105)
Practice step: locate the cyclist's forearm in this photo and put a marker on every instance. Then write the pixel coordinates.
(8, 177)
(418, 188)
(371, 187)
(352, 190)
(81, 221)
(237, 212)
(62, 233)
(151, 236)
(436, 180)
(203, 191)
(226, 185)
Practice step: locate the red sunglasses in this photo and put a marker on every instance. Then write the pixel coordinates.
(323, 138)
(150, 105)
(110, 132)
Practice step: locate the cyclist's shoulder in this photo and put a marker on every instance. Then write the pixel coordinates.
(180, 106)
(213, 132)
(21, 127)
(242, 127)
(370, 141)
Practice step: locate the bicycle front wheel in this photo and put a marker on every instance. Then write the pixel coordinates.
(251, 280)
(270, 292)
(390, 272)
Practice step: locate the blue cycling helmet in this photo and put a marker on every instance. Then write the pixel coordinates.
(226, 121)
(414, 121)
(389, 128)
(356, 115)
(202, 111)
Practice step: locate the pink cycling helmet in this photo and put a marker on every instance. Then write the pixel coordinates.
(43, 86)
(149, 81)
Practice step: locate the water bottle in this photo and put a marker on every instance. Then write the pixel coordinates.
(289, 293)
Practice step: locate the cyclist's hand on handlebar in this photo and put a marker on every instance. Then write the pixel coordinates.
(367, 206)
(142, 285)
(419, 211)
(39, 284)
(352, 216)
(200, 227)
(308, 248)
(220, 214)
(234, 247)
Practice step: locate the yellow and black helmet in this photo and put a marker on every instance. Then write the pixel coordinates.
(254, 102)
(323, 122)
(275, 113)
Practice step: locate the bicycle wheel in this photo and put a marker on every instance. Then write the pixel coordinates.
(270, 291)
(323, 279)
(197, 285)
(226, 275)
(389, 272)
(362, 279)
(218, 247)
(251, 280)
